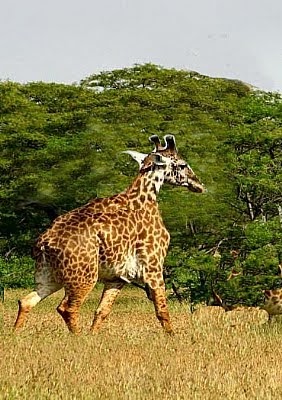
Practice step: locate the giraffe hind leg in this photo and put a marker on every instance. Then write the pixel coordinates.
(62, 306)
(77, 288)
(33, 298)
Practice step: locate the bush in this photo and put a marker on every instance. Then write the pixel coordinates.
(16, 272)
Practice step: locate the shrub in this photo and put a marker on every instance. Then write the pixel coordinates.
(16, 272)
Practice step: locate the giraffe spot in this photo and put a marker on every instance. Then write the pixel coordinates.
(131, 226)
(276, 292)
(116, 248)
(153, 283)
(157, 225)
(149, 248)
(121, 228)
(142, 234)
(69, 270)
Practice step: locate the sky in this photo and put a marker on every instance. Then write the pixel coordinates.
(68, 40)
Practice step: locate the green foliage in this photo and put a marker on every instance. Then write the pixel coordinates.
(260, 234)
(61, 146)
(16, 272)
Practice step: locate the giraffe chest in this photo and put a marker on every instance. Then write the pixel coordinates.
(128, 255)
(130, 244)
(127, 266)
(119, 255)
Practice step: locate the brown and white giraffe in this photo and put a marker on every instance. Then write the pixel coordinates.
(115, 240)
(273, 300)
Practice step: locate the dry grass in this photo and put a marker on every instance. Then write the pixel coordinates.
(211, 355)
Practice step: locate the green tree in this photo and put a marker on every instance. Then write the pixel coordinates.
(61, 145)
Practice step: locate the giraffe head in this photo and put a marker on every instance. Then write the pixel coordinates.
(166, 163)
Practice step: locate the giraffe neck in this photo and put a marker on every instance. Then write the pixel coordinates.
(144, 188)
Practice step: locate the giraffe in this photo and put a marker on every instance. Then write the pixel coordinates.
(115, 240)
(273, 300)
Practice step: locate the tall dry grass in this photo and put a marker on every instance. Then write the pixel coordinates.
(211, 356)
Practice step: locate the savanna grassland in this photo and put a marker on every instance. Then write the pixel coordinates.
(213, 355)
(62, 145)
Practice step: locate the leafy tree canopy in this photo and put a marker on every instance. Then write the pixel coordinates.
(61, 146)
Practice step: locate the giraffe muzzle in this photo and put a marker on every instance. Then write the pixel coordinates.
(195, 187)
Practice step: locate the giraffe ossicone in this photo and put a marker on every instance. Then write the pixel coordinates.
(115, 240)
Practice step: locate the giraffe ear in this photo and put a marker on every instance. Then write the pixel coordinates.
(139, 157)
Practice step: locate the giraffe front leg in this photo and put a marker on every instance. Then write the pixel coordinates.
(153, 278)
(161, 309)
(110, 293)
